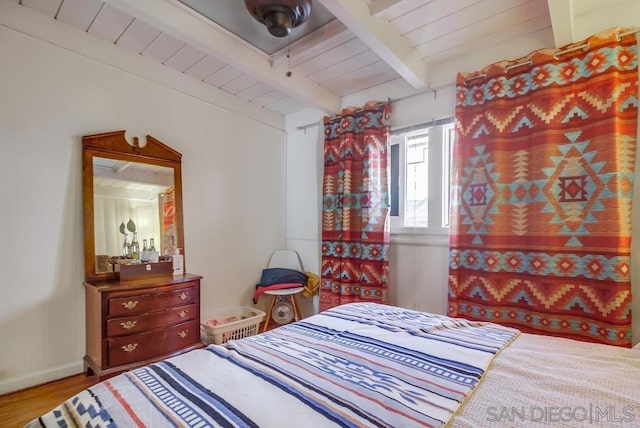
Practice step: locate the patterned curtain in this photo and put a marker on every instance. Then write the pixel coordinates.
(355, 233)
(168, 221)
(543, 177)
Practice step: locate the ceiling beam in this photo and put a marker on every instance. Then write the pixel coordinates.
(561, 13)
(181, 22)
(381, 37)
(380, 6)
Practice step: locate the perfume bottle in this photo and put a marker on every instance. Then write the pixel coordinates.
(135, 248)
(144, 255)
(125, 246)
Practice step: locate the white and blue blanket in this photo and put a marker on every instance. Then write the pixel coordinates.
(356, 365)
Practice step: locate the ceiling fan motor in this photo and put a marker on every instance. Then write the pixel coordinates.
(279, 16)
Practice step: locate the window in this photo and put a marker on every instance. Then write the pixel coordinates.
(420, 167)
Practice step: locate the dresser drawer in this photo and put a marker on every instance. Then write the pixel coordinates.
(142, 303)
(138, 323)
(138, 347)
(180, 336)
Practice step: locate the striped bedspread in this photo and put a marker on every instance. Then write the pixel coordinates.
(356, 365)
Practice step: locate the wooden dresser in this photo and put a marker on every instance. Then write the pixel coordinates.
(133, 323)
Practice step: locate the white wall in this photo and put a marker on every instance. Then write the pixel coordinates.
(233, 185)
(304, 192)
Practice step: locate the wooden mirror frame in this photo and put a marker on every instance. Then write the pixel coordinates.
(113, 145)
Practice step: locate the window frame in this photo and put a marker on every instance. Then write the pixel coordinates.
(440, 134)
(447, 159)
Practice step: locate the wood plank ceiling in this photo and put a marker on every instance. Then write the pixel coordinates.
(370, 42)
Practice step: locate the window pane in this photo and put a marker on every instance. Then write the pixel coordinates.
(446, 172)
(394, 186)
(416, 202)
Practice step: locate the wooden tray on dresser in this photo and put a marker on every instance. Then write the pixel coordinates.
(133, 323)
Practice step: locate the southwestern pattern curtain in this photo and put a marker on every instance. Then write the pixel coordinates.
(168, 221)
(355, 204)
(543, 176)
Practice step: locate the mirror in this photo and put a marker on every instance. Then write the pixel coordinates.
(135, 200)
(132, 198)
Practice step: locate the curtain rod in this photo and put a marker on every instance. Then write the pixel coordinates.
(583, 46)
(619, 36)
(508, 68)
(417, 126)
(391, 100)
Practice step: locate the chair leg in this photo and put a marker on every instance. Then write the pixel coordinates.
(296, 313)
(268, 320)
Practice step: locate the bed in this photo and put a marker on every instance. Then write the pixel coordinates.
(367, 364)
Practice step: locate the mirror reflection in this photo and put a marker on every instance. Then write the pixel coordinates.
(134, 213)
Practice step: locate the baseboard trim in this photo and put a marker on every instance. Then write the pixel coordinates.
(34, 379)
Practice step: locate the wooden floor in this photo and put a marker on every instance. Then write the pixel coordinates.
(19, 408)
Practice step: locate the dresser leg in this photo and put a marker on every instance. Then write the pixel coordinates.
(88, 371)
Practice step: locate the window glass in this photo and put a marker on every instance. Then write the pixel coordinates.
(417, 180)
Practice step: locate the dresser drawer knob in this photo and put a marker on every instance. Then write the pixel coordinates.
(183, 295)
(130, 347)
(128, 324)
(183, 313)
(183, 334)
(130, 304)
